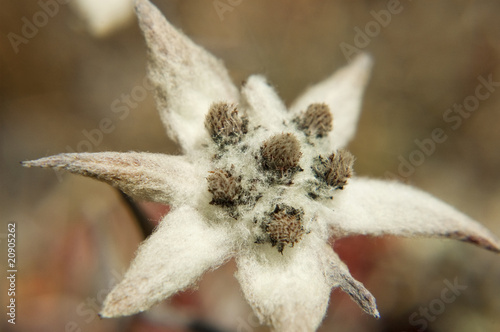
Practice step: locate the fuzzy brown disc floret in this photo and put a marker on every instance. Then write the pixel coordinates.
(224, 123)
(225, 188)
(281, 153)
(334, 170)
(285, 226)
(316, 121)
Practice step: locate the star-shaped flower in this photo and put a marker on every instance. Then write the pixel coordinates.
(257, 182)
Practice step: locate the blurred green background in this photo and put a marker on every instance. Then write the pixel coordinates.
(75, 236)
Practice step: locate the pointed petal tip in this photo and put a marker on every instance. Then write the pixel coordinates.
(364, 59)
(143, 10)
(141, 5)
(362, 65)
(373, 310)
(149, 16)
(364, 299)
(494, 246)
(359, 294)
(489, 243)
(27, 163)
(45, 162)
(122, 302)
(495, 249)
(61, 160)
(106, 313)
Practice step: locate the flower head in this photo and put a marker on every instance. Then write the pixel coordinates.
(257, 182)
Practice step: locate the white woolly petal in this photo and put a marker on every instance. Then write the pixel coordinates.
(264, 106)
(342, 92)
(187, 78)
(340, 277)
(290, 292)
(181, 249)
(148, 176)
(104, 17)
(375, 207)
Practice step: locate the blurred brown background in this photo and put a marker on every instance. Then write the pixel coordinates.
(75, 236)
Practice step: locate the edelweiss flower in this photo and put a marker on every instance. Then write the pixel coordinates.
(257, 182)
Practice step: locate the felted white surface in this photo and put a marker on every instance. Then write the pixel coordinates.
(264, 106)
(149, 176)
(290, 291)
(181, 249)
(187, 78)
(376, 207)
